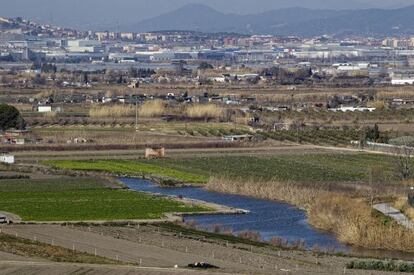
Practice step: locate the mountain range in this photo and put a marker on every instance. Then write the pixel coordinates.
(290, 21)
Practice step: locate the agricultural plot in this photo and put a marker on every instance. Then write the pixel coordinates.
(201, 129)
(331, 137)
(291, 168)
(300, 168)
(132, 168)
(73, 200)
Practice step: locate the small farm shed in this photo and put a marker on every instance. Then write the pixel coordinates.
(155, 152)
(236, 138)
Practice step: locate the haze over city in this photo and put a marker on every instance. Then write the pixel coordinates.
(101, 14)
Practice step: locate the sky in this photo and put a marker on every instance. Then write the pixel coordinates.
(101, 14)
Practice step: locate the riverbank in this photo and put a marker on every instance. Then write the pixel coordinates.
(350, 218)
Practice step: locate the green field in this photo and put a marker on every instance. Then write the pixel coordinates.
(81, 200)
(294, 168)
(132, 168)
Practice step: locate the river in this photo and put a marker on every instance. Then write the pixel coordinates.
(269, 218)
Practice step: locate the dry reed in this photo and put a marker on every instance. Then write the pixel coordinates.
(204, 111)
(402, 204)
(152, 108)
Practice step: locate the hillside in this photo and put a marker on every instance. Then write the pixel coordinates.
(290, 21)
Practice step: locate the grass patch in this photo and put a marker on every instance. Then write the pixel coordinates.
(27, 248)
(49, 185)
(132, 168)
(210, 235)
(52, 200)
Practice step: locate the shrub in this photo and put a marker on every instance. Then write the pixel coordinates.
(250, 235)
(390, 266)
(279, 242)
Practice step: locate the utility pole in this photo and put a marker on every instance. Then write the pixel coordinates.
(136, 109)
(136, 113)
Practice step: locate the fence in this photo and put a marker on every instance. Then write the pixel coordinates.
(386, 148)
(212, 251)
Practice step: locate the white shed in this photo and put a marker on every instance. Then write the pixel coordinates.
(9, 159)
(44, 109)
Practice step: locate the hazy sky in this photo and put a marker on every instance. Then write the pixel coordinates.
(109, 13)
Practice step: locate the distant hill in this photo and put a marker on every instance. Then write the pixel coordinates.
(290, 21)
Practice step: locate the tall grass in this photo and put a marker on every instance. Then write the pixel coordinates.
(404, 206)
(152, 108)
(112, 111)
(50, 114)
(204, 111)
(396, 93)
(270, 190)
(354, 222)
(350, 218)
(378, 104)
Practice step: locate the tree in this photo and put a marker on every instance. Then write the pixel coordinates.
(403, 160)
(48, 68)
(10, 118)
(39, 80)
(205, 66)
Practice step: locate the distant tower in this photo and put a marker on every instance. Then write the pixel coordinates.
(26, 54)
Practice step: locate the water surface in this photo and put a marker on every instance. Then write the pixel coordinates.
(269, 218)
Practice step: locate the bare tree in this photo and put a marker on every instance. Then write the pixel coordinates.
(376, 180)
(403, 160)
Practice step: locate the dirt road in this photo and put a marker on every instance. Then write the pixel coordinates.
(110, 247)
(33, 156)
(51, 268)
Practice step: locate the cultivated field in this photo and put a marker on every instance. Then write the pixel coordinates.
(131, 168)
(333, 167)
(79, 200)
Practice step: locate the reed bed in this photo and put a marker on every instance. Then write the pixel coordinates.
(204, 111)
(152, 108)
(403, 205)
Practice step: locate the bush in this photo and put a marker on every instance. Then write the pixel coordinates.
(250, 235)
(382, 266)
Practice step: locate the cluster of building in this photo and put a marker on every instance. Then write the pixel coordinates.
(388, 60)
